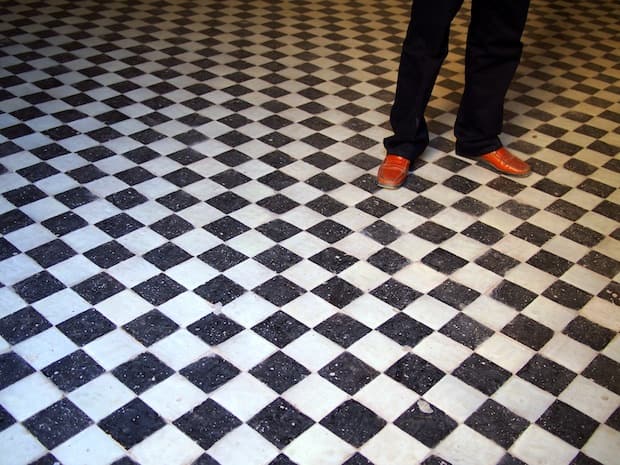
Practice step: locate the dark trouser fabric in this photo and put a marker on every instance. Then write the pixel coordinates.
(491, 59)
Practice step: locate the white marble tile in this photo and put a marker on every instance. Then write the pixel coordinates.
(539, 447)
(167, 445)
(315, 396)
(29, 395)
(45, 348)
(318, 446)
(391, 445)
(89, 447)
(173, 397)
(386, 397)
(523, 398)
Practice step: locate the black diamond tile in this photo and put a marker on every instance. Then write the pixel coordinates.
(471, 206)
(73, 371)
(151, 327)
(337, 292)
(278, 230)
(167, 256)
(367, 182)
(533, 234)
(230, 178)
(119, 225)
(13, 220)
(460, 184)
(357, 459)
(222, 257)
(280, 329)
(611, 293)
(342, 329)
(405, 330)
(528, 332)
(601, 264)
(522, 211)
(326, 206)
(7, 250)
(228, 202)
(93, 154)
(280, 423)
(171, 226)
(329, 231)
(353, 422)
(207, 424)
(34, 173)
(107, 255)
(210, 372)
(567, 423)
(484, 233)
(279, 291)
(497, 423)
(582, 459)
(513, 295)
(546, 374)
(506, 186)
(219, 290)
(324, 182)
(178, 200)
(187, 156)
(132, 423)
(38, 286)
(427, 424)
(614, 420)
(280, 372)
(550, 263)
(85, 327)
(277, 258)
(6, 419)
(566, 210)
(596, 188)
(215, 329)
(142, 372)
(98, 288)
(604, 371)
(134, 176)
(12, 369)
(22, 324)
(348, 373)
(159, 289)
(388, 261)
(395, 294)
(551, 187)
(583, 235)
(589, 333)
(126, 199)
(277, 203)
(86, 174)
(382, 232)
(567, 295)
(277, 180)
(321, 160)
(454, 294)
(333, 260)
(433, 232)
(424, 206)
(226, 228)
(64, 223)
(24, 195)
(375, 206)
(57, 423)
(482, 374)
(443, 261)
(497, 262)
(76, 197)
(415, 373)
(278, 159)
(466, 331)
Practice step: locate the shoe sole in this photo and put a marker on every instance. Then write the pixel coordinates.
(492, 167)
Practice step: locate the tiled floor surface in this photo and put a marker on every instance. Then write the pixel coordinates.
(197, 267)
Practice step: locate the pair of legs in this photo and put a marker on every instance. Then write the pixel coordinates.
(492, 56)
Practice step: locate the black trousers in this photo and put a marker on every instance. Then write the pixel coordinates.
(491, 59)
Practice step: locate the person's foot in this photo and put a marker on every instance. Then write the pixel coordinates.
(502, 161)
(393, 171)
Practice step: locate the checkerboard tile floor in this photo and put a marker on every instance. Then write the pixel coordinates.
(196, 266)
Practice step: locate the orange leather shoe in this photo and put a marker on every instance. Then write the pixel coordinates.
(502, 161)
(393, 171)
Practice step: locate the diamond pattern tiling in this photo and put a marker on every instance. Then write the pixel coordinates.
(198, 268)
